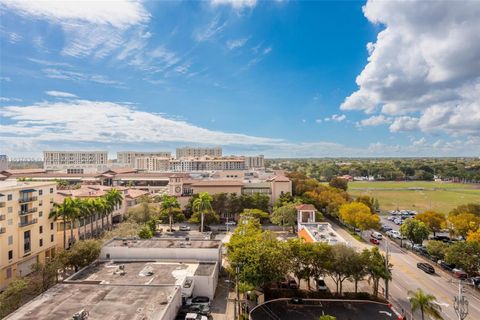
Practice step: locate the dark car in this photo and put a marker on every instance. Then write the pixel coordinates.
(296, 301)
(426, 267)
(321, 285)
(446, 266)
(292, 284)
(205, 228)
(199, 300)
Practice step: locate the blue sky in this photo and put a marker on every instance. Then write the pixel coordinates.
(282, 78)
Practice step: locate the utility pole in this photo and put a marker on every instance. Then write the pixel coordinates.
(237, 271)
(460, 304)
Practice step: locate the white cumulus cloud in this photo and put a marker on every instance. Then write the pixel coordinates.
(236, 4)
(424, 68)
(60, 94)
(375, 121)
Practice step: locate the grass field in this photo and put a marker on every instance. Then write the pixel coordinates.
(420, 196)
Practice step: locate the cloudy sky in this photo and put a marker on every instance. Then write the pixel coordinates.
(282, 78)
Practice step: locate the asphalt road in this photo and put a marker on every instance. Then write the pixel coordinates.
(406, 276)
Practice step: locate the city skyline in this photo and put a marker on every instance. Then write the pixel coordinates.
(280, 78)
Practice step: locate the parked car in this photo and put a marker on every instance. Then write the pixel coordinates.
(475, 282)
(376, 235)
(385, 228)
(195, 316)
(459, 274)
(446, 266)
(199, 301)
(374, 241)
(426, 267)
(184, 228)
(321, 285)
(292, 284)
(205, 228)
(230, 223)
(296, 301)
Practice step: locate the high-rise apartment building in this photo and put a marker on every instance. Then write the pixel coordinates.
(152, 164)
(3, 162)
(75, 162)
(188, 152)
(127, 158)
(27, 235)
(254, 162)
(207, 164)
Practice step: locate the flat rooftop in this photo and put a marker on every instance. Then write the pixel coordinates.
(323, 232)
(147, 273)
(163, 243)
(101, 301)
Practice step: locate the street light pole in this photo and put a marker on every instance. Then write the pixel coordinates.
(460, 304)
(237, 271)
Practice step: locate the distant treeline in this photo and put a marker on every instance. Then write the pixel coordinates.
(455, 169)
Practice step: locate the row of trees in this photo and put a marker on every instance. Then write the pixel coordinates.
(259, 259)
(84, 211)
(384, 169)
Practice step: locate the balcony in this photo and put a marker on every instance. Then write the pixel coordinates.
(3, 230)
(27, 199)
(27, 211)
(27, 223)
(2, 204)
(2, 217)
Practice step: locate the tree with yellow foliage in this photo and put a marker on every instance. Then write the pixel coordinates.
(464, 223)
(474, 236)
(434, 221)
(359, 215)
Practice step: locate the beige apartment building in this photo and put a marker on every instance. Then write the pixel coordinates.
(188, 152)
(207, 164)
(152, 164)
(127, 158)
(254, 162)
(27, 235)
(75, 162)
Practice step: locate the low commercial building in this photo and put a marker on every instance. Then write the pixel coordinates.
(75, 162)
(312, 231)
(27, 235)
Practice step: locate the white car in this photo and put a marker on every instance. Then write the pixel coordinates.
(195, 316)
(230, 223)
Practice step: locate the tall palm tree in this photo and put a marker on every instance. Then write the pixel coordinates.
(426, 303)
(114, 198)
(66, 210)
(169, 204)
(91, 207)
(101, 207)
(202, 204)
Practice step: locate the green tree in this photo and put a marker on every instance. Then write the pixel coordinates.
(145, 233)
(473, 208)
(13, 296)
(434, 221)
(464, 255)
(202, 207)
(425, 303)
(300, 256)
(339, 183)
(67, 211)
(340, 268)
(114, 199)
(327, 317)
(366, 200)
(376, 267)
(414, 230)
(437, 249)
(170, 206)
(256, 213)
(82, 253)
(285, 216)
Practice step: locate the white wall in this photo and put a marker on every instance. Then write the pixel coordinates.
(172, 308)
(206, 285)
(133, 253)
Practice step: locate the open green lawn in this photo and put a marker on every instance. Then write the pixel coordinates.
(417, 195)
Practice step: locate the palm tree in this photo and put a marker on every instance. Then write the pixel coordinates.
(67, 210)
(114, 198)
(169, 204)
(101, 208)
(201, 204)
(426, 303)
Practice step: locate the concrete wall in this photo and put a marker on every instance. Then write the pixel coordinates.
(206, 285)
(172, 308)
(218, 189)
(279, 187)
(182, 254)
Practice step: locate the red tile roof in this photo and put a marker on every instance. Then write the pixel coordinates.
(309, 207)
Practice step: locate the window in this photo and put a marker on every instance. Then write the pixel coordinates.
(40, 214)
(40, 229)
(40, 192)
(10, 255)
(26, 241)
(51, 190)
(9, 197)
(51, 225)
(51, 238)
(40, 243)
(9, 273)
(10, 240)
(40, 203)
(10, 209)
(10, 222)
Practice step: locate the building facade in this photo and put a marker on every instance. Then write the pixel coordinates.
(207, 164)
(127, 158)
(188, 152)
(152, 164)
(3, 162)
(27, 235)
(75, 162)
(254, 162)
